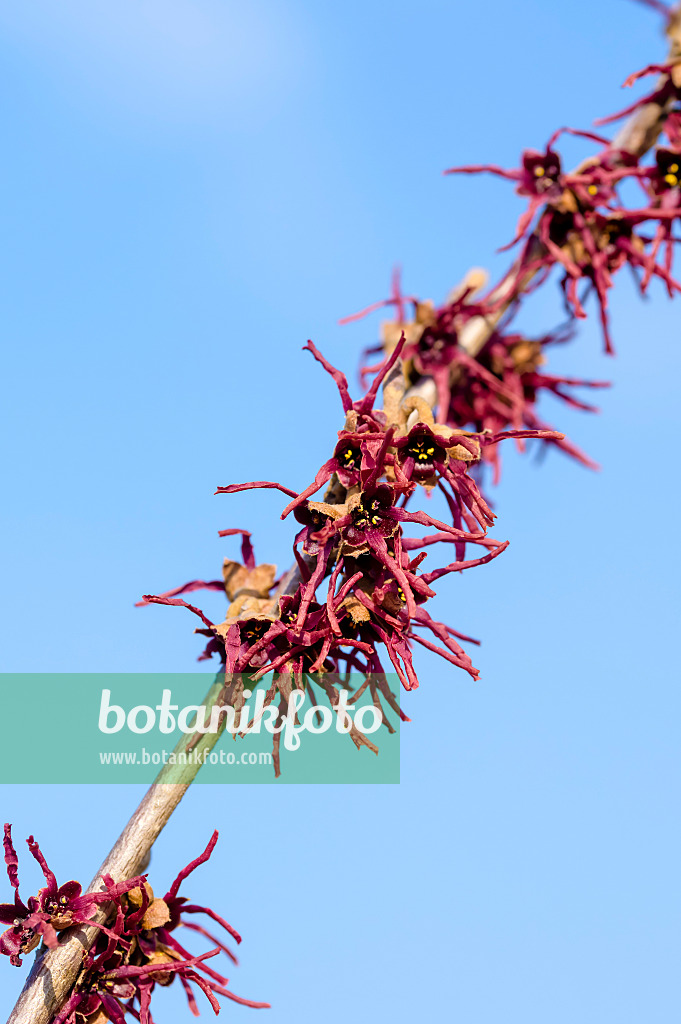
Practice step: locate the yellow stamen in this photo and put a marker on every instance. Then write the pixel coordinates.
(673, 167)
(592, 190)
(539, 172)
(671, 179)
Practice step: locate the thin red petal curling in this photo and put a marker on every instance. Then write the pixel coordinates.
(11, 859)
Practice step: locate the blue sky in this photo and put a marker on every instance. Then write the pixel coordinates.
(191, 190)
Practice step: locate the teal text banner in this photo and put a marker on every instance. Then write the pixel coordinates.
(126, 727)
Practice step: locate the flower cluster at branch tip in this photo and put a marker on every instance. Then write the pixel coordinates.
(137, 946)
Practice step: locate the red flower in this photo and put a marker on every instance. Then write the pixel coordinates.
(540, 178)
(42, 916)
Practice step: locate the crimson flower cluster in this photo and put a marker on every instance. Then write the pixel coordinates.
(579, 223)
(496, 390)
(360, 587)
(137, 949)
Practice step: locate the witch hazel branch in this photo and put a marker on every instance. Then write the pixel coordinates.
(365, 558)
(458, 381)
